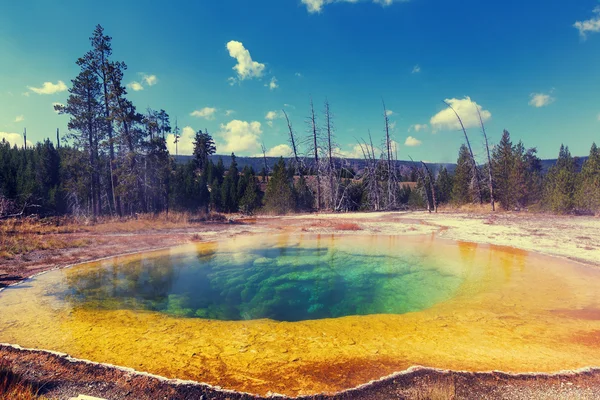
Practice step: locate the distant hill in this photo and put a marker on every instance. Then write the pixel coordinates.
(355, 163)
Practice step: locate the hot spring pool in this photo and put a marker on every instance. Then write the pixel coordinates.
(306, 314)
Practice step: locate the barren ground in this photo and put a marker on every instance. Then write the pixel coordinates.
(574, 238)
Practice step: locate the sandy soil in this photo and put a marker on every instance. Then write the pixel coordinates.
(574, 238)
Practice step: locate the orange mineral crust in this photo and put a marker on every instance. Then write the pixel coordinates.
(471, 307)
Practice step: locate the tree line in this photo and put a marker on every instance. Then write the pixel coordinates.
(114, 161)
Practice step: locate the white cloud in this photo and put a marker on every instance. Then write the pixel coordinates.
(357, 151)
(272, 84)
(591, 25)
(298, 75)
(186, 141)
(207, 113)
(229, 113)
(135, 86)
(541, 100)
(281, 150)
(416, 69)
(246, 68)
(271, 115)
(412, 142)
(240, 137)
(14, 139)
(389, 113)
(56, 104)
(466, 108)
(418, 127)
(150, 80)
(49, 88)
(19, 118)
(316, 6)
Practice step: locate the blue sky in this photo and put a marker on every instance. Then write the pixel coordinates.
(532, 66)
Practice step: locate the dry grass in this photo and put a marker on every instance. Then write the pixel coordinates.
(347, 226)
(484, 208)
(15, 387)
(25, 235)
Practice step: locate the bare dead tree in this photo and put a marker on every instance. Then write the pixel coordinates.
(331, 172)
(264, 151)
(293, 143)
(431, 186)
(487, 148)
(476, 176)
(370, 174)
(315, 150)
(391, 165)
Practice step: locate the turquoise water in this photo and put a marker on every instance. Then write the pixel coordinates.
(281, 279)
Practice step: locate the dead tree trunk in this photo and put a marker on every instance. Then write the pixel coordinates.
(474, 163)
(487, 148)
(391, 170)
(431, 186)
(313, 124)
(293, 143)
(265, 162)
(333, 185)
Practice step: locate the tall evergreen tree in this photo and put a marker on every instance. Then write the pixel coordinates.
(279, 196)
(560, 183)
(588, 188)
(463, 177)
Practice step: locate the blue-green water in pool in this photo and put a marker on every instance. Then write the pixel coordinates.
(283, 280)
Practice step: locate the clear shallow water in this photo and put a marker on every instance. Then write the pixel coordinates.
(407, 300)
(286, 281)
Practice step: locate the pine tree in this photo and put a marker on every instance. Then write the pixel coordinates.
(588, 188)
(463, 176)
(560, 183)
(279, 196)
(444, 185)
(503, 163)
(204, 147)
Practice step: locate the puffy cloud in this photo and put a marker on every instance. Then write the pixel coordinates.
(19, 118)
(150, 80)
(207, 113)
(15, 139)
(281, 150)
(357, 151)
(412, 142)
(418, 127)
(316, 6)
(272, 116)
(186, 141)
(239, 137)
(272, 84)
(135, 86)
(591, 25)
(49, 88)
(229, 113)
(466, 108)
(540, 100)
(246, 68)
(416, 69)
(389, 113)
